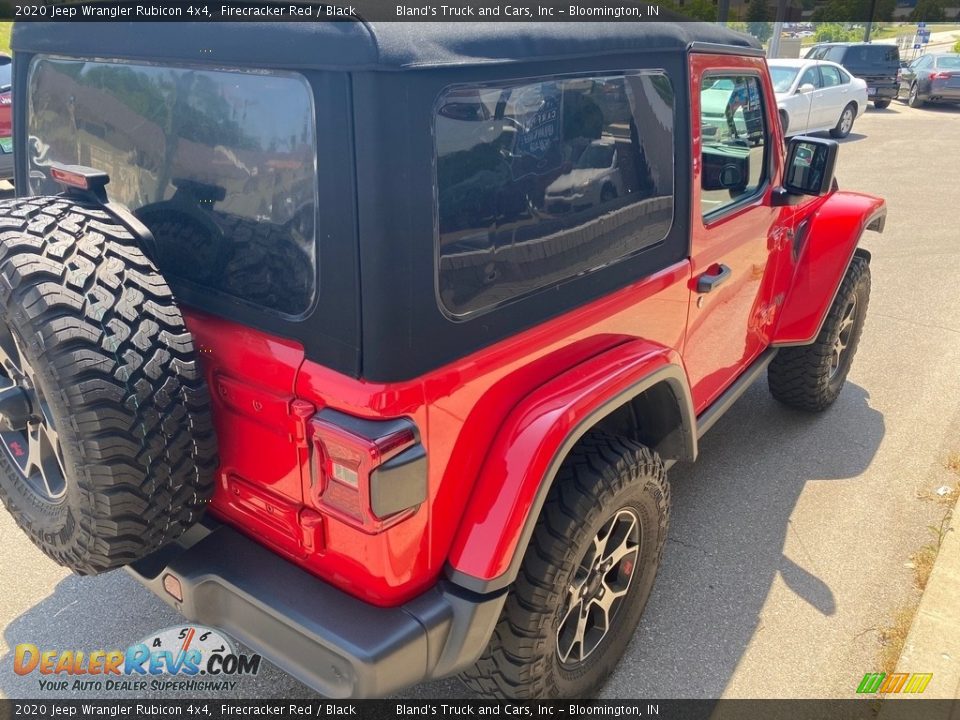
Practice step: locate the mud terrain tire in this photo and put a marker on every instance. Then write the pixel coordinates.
(809, 377)
(128, 452)
(603, 476)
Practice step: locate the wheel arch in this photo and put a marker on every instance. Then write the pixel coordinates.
(636, 387)
(824, 245)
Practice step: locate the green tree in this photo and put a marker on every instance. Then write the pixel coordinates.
(758, 17)
(929, 11)
(835, 32)
(884, 10)
(700, 10)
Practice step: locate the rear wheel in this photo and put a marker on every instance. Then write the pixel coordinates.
(107, 449)
(811, 377)
(845, 123)
(585, 578)
(913, 99)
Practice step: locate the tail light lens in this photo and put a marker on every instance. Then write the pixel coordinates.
(369, 473)
(4, 98)
(942, 75)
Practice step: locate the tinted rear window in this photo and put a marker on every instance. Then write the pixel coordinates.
(865, 55)
(540, 181)
(220, 165)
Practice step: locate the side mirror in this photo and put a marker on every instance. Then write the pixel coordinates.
(810, 166)
(806, 88)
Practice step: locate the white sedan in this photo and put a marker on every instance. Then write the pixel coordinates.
(815, 95)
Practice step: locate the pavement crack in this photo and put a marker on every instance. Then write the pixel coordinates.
(917, 324)
(692, 546)
(803, 547)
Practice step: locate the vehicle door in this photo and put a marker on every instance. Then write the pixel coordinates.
(737, 237)
(833, 96)
(807, 89)
(909, 74)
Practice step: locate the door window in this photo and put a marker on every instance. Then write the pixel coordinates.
(810, 77)
(734, 141)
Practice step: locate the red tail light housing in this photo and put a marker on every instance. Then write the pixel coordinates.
(942, 75)
(65, 176)
(371, 474)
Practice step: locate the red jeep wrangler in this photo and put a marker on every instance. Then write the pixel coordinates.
(379, 351)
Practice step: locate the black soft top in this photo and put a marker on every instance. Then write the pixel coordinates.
(368, 45)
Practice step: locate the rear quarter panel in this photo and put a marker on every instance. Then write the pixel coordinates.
(460, 410)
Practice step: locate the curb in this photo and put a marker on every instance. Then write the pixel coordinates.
(933, 644)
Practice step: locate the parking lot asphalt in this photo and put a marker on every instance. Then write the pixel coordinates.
(789, 536)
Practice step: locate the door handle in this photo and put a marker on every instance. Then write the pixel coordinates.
(709, 280)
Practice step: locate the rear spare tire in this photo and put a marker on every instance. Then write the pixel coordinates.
(107, 449)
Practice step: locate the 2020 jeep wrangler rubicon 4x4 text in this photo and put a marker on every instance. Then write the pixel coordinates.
(378, 352)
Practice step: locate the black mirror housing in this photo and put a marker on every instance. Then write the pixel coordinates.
(810, 166)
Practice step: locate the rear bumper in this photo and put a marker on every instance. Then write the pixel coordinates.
(882, 91)
(944, 93)
(337, 644)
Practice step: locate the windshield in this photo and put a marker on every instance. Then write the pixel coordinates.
(783, 77)
(596, 156)
(949, 62)
(5, 74)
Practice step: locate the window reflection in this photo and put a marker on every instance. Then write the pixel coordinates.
(219, 165)
(539, 182)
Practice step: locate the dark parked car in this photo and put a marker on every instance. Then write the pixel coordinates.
(876, 64)
(931, 78)
(6, 118)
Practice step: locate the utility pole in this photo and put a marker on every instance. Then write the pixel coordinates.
(869, 26)
(723, 10)
(774, 49)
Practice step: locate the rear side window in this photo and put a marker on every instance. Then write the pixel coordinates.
(858, 55)
(220, 165)
(831, 76)
(541, 181)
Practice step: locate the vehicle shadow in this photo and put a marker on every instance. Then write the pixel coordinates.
(731, 516)
(851, 138)
(943, 108)
(730, 520)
